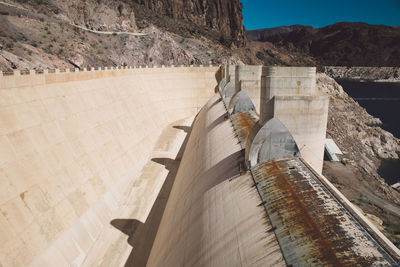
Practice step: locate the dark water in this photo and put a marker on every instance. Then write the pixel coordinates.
(382, 100)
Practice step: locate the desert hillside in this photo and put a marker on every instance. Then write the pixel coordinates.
(60, 34)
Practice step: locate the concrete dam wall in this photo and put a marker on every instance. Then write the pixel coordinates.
(89, 159)
(75, 153)
(278, 211)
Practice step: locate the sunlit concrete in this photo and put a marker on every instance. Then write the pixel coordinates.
(76, 152)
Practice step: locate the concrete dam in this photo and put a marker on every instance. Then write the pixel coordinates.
(173, 166)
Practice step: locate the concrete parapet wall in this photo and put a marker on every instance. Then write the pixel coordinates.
(72, 150)
(18, 78)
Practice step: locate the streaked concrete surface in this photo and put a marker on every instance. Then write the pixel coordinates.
(213, 217)
(312, 227)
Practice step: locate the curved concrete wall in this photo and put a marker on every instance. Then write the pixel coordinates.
(75, 153)
(213, 216)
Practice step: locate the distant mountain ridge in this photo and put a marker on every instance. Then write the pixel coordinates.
(341, 44)
(264, 34)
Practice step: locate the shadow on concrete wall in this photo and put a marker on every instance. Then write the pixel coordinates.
(141, 236)
(127, 226)
(186, 129)
(225, 169)
(218, 78)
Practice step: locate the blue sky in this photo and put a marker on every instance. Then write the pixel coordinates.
(318, 13)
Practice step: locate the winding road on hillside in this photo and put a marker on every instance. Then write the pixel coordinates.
(28, 13)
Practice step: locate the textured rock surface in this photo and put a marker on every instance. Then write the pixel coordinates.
(266, 33)
(57, 34)
(224, 16)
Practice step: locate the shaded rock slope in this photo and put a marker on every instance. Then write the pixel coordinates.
(220, 17)
(341, 44)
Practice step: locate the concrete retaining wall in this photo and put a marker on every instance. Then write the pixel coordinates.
(73, 146)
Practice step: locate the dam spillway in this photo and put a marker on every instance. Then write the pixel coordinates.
(82, 152)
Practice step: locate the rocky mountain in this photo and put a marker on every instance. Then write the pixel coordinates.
(221, 17)
(59, 34)
(341, 44)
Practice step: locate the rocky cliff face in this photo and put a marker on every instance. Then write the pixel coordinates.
(95, 33)
(219, 18)
(223, 16)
